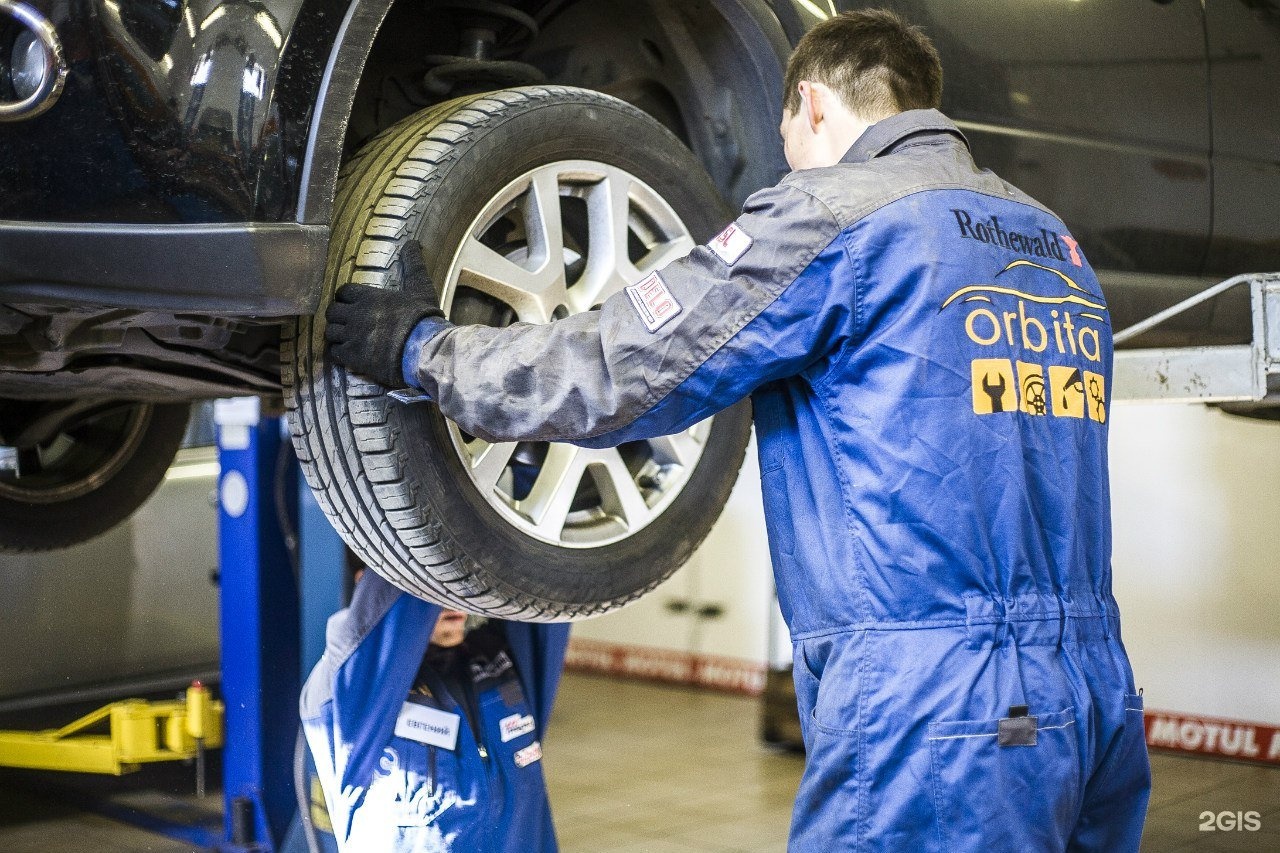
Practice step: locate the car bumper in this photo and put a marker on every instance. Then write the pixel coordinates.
(242, 270)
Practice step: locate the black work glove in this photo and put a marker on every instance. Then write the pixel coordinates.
(368, 326)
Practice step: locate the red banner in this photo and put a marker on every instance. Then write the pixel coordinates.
(1236, 739)
(649, 664)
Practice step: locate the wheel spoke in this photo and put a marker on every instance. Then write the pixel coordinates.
(552, 495)
(609, 268)
(664, 253)
(618, 489)
(8, 461)
(487, 271)
(545, 227)
(618, 192)
(489, 461)
(683, 448)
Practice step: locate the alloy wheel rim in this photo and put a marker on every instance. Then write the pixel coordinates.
(558, 240)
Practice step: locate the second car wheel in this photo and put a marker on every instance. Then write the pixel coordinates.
(531, 204)
(71, 470)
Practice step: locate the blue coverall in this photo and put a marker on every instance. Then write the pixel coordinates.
(929, 356)
(389, 786)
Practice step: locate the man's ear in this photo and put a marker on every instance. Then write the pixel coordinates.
(811, 103)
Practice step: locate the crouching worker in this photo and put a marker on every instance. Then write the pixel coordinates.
(428, 737)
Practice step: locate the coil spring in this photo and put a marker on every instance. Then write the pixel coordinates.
(489, 31)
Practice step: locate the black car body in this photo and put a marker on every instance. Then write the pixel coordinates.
(188, 166)
(166, 212)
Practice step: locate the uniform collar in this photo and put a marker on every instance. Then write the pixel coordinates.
(885, 136)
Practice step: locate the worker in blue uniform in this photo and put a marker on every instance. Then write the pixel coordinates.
(429, 741)
(929, 356)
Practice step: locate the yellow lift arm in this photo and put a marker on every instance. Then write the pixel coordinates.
(138, 733)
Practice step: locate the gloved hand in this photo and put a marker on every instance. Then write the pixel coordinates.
(368, 326)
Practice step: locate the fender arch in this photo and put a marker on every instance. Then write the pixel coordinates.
(733, 134)
(337, 93)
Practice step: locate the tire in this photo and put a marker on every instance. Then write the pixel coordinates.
(392, 477)
(100, 466)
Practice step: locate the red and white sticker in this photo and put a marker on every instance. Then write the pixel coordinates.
(653, 301)
(731, 244)
(515, 725)
(528, 755)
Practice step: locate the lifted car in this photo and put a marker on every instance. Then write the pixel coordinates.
(187, 183)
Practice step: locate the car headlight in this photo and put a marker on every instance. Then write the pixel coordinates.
(32, 62)
(27, 65)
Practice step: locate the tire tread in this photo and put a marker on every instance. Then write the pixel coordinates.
(345, 431)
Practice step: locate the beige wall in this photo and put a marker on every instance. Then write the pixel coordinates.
(1196, 513)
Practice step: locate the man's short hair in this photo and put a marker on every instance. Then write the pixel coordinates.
(874, 60)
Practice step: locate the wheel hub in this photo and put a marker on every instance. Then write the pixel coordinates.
(75, 456)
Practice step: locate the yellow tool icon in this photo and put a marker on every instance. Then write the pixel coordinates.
(994, 389)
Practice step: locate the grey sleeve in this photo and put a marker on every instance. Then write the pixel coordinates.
(598, 371)
(344, 632)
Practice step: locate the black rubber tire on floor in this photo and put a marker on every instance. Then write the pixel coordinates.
(26, 527)
(387, 474)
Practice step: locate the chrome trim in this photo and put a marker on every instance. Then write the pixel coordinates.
(55, 64)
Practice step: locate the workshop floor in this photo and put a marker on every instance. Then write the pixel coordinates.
(633, 768)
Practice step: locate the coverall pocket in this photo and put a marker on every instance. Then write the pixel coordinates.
(994, 797)
(778, 520)
(1115, 799)
(829, 682)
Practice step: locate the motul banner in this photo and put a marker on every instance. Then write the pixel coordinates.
(672, 667)
(1213, 736)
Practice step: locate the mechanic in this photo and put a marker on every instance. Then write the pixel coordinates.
(429, 739)
(929, 357)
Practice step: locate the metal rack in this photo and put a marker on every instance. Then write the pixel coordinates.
(1239, 373)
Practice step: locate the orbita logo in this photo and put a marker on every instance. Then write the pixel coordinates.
(1036, 327)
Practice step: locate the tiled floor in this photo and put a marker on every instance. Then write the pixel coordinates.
(649, 769)
(646, 769)
(639, 768)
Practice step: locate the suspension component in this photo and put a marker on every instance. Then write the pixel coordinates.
(489, 33)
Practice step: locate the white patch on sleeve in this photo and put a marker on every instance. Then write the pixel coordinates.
(731, 244)
(653, 301)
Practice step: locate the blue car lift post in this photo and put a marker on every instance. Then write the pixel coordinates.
(272, 619)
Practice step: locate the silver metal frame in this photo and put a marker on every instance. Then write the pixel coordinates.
(1220, 374)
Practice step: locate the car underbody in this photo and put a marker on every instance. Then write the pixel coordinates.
(53, 353)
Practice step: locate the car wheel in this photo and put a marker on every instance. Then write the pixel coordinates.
(498, 187)
(70, 471)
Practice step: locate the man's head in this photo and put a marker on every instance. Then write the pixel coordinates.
(848, 73)
(450, 629)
